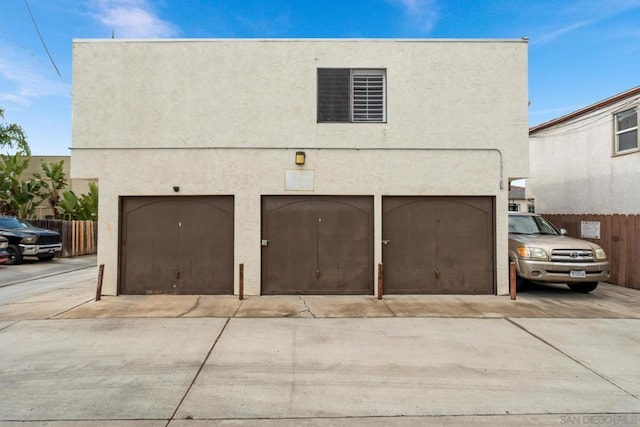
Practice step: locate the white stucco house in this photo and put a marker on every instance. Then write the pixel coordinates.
(588, 162)
(307, 162)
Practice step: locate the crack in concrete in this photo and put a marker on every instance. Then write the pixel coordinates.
(389, 308)
(55, 316)
(308, 309)
(610, 381)
(204, 362)
(197, 303)
(235, 313)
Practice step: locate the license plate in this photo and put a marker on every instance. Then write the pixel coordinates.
(578, 274)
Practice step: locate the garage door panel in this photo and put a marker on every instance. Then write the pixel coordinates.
(317, 245)
(438, 245)
(344, 249)
(206, 231)
(147, 256)
(176, 245)
(469, 226)
(411, 250)
(287, 267)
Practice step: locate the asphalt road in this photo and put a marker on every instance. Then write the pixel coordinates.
(32, 269)
(19, 282)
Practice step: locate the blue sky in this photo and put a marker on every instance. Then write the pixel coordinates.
(580, 51)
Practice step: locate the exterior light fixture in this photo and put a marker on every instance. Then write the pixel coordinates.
(300, 156)
(176, 188)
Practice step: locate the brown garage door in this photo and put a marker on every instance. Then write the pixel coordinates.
(176, 245)
(317, 245)
(438, 245)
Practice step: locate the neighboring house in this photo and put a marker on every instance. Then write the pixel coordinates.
(585, 169)
(588, 162)
(518, 200)
(78, 186)
(307, 162)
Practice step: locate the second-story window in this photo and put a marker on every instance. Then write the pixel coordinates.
(626, 123)
(351, 95)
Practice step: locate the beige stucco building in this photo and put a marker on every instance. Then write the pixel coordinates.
(408, 146)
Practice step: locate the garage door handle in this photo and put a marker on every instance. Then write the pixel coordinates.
(386, 242)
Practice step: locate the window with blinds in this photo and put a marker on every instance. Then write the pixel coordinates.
(351, 95)
(626, 131)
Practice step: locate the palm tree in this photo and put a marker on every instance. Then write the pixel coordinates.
(55, 182)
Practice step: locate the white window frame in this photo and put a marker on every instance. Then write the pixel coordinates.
(368, 72)
(617, 133)
(355, 112)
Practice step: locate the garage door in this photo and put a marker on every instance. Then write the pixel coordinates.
(176, 245)
(438, 245)
(317, 245)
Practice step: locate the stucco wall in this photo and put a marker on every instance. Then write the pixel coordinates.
(574, 170)
(226, 117)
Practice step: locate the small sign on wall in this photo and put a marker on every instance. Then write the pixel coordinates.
(590, 229)
(299, 180)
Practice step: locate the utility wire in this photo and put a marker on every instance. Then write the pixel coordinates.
(41, 39)
(589, 119)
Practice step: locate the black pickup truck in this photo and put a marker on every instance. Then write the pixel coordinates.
(27, 240)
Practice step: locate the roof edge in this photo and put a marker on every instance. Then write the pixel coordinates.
(585, 110)
(301, 39)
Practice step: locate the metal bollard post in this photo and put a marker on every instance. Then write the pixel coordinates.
(512, 280)
(380, 280)
(241, 284)
(99, 288)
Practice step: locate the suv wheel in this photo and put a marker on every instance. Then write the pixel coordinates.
(584, 288)
(15, 256)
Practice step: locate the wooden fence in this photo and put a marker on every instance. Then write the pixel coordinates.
(619, 237)
(78, 237)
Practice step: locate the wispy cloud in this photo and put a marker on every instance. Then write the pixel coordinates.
(27, 81)
(557, 33)
(133, 19)
(422, 14)
(585, 14)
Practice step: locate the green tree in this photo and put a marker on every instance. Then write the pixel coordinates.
(19, 197)
(84, 207)
(12, 136)
(53, 184)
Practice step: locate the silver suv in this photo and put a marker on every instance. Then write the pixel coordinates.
(543, 254)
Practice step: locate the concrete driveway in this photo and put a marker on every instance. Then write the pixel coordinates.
(551, 357)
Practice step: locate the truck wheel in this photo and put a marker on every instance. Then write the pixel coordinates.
(45, 257)
(583, 288)
(15, 256)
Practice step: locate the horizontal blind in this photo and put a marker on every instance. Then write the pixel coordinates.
(368, 97)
